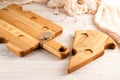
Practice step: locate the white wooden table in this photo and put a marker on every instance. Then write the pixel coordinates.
(41, 65)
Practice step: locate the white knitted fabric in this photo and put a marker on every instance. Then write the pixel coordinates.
(107, 18)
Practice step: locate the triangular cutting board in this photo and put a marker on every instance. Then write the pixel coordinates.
(87, 46)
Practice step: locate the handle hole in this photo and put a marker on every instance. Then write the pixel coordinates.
(2, 40)
(74, 52)
(62, 49)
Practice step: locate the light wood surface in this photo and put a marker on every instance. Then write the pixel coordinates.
(87, 46)
(40, 65)
(20, 30)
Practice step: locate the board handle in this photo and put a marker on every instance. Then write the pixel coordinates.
(56, 48)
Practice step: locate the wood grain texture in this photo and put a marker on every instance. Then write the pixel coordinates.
(37, 19)
(87, 46)
(17, 39)
(25, 31)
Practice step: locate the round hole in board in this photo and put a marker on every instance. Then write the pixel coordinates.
(20, 8)
(33, 18)
(84, 34)
(5, 9)
(45, 28)
(88, 51)
(21, 36)
(62, 49)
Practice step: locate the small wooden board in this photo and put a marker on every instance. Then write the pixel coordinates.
(24, 31)
(87, 46)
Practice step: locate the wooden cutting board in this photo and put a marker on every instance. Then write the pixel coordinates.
(87, 46)
(24, 31)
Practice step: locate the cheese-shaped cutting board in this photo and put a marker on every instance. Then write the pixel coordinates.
(87, 46)
(24, 31)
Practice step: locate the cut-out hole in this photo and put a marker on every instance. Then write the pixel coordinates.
(45, 28)
(20, 8)
(33, 18)
(5, 9)
(21, 36)
(3, 40)
(74, 52)
(88, 51)
(110, 46)
(85, 34)
(62, 49)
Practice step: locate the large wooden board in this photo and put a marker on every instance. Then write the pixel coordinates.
(24, 31)
(87, 46)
